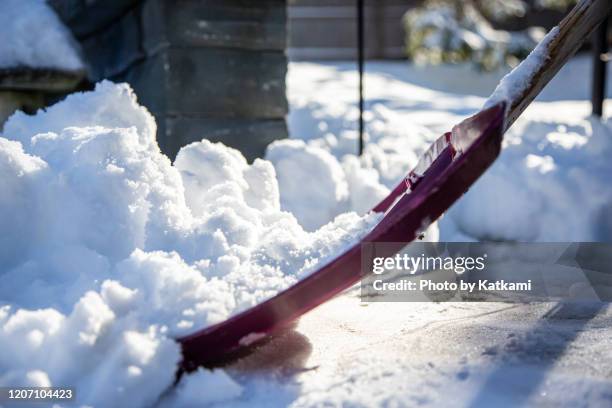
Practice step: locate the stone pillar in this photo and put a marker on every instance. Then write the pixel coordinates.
(211, 69)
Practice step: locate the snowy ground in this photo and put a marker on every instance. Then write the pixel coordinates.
(472, 355)
(109, 250)
(419, 354)
(550, 183)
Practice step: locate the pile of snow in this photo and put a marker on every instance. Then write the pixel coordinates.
(35, 37)
(322, 177)
(549, 184)
(109, 252)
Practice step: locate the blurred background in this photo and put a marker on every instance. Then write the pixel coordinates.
(437, 31)
(217, 68)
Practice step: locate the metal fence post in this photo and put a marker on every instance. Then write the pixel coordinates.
(361, 58)
(600, 59)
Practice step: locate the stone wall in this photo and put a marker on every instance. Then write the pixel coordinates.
(29, 89)
(210, 69)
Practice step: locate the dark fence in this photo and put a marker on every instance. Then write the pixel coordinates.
(326, 29)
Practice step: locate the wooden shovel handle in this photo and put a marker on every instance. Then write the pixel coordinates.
(575, 28)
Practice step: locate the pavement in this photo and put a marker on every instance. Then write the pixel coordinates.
(350, 353)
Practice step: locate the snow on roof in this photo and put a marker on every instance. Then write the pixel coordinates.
(33, 36)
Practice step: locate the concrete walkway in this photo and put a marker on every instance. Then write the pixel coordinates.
(425, 354)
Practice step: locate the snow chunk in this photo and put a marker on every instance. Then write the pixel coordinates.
(308, 175)
(35, 37)
(110, 106)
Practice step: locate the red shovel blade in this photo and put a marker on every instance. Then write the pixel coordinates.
(444, 174)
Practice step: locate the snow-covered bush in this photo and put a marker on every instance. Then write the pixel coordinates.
(447, 32)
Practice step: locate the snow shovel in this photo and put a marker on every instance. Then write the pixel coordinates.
(445, 172)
